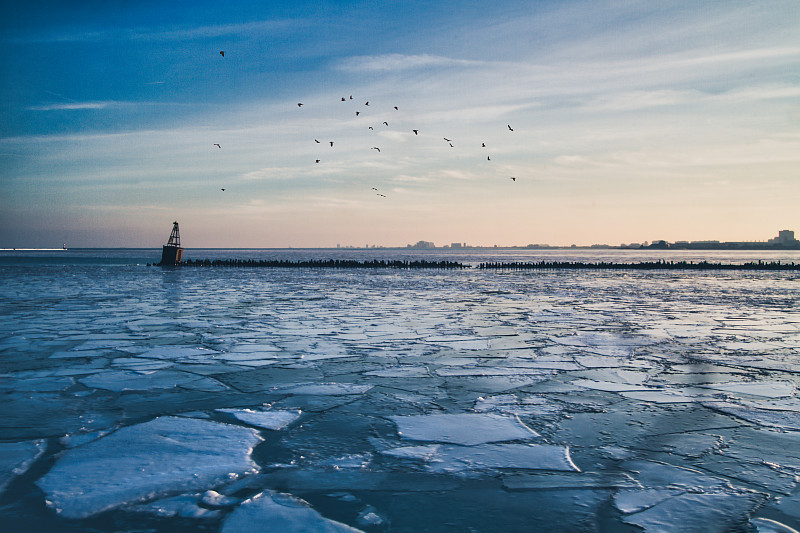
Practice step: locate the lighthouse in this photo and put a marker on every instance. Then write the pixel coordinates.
(172, 253)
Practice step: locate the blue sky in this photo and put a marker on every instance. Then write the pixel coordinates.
(631, 121)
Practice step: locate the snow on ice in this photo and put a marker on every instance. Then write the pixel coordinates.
(135, 463)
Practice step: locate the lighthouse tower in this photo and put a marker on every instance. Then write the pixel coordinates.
(172, 253)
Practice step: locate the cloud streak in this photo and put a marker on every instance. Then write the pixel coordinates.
(401, 62)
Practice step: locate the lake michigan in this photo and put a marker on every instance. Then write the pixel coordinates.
(141, 398)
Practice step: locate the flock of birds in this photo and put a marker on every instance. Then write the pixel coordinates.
(371, 128)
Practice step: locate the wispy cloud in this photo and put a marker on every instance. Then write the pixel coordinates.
(161, 33)
(70, 106)
(396, 62)
(95, 105)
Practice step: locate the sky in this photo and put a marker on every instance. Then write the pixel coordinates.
(621, 121)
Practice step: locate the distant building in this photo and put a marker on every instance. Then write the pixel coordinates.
(458, 245)
(422, 244)
(785, 238)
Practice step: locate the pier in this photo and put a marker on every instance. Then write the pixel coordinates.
(327, 263)
(455, 265)
(646, 265)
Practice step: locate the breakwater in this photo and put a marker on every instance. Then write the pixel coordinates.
(317, 263)
(515, 265)
(646, 265)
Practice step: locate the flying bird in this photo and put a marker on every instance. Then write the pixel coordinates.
(488, 158)
(217, 145)
(446, 139)
(509, 127)
(299, 104)
(382, 195)
(451, 145)
(395, 108)
(375, 148)
(374, 189)
(357, 113)
(222, 190)
(513, 178)
(367, 103)
(483, 145)
(416, 132)
(317, 161)
(351, 97)
(387, 124)
(316, 141)
(371, 128)
(222, 53)
(342, 98)
(331, 143)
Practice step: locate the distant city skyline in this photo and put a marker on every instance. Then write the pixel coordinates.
(530, 122)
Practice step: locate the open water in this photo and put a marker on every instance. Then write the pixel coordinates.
(140, 398)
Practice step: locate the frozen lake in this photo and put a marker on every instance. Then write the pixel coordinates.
(137, 398)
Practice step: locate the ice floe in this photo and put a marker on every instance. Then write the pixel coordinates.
(274, 420)
(401, 372)
(465, 428)
(17, 457)
(765, 525)
(184, 506)
(274, 511)
(701, 513)
(767, 389)
(145, 461)
(324, 389)
(450, 458)
(609, 386)
(572, 480)
(177, 352)
(509, 403)
(676, 495)
(684, 395)
(129, 380)
(763, 417)
(493, 371)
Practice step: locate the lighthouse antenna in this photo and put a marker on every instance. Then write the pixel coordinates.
(175, 236)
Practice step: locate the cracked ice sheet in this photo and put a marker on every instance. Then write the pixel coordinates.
(683, 395)
(111, 344)
(701, 513)
(17, 457)
(600, 361)
(449, 458)
(610, 386)
(178, 353)
(594, 339)
(767, 389)
(36, 384)
(274, 511)
(508, 403)
(778, 419)
(403, 371)
(675, 495)
(492, 371)
(128, 380)
(494, 383)
(465, 428)
(459, 343)
(324, 389)
(274, 420)
(185, 505)
(140, 462)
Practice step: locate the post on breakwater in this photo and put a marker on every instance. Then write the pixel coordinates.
(172, 253)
